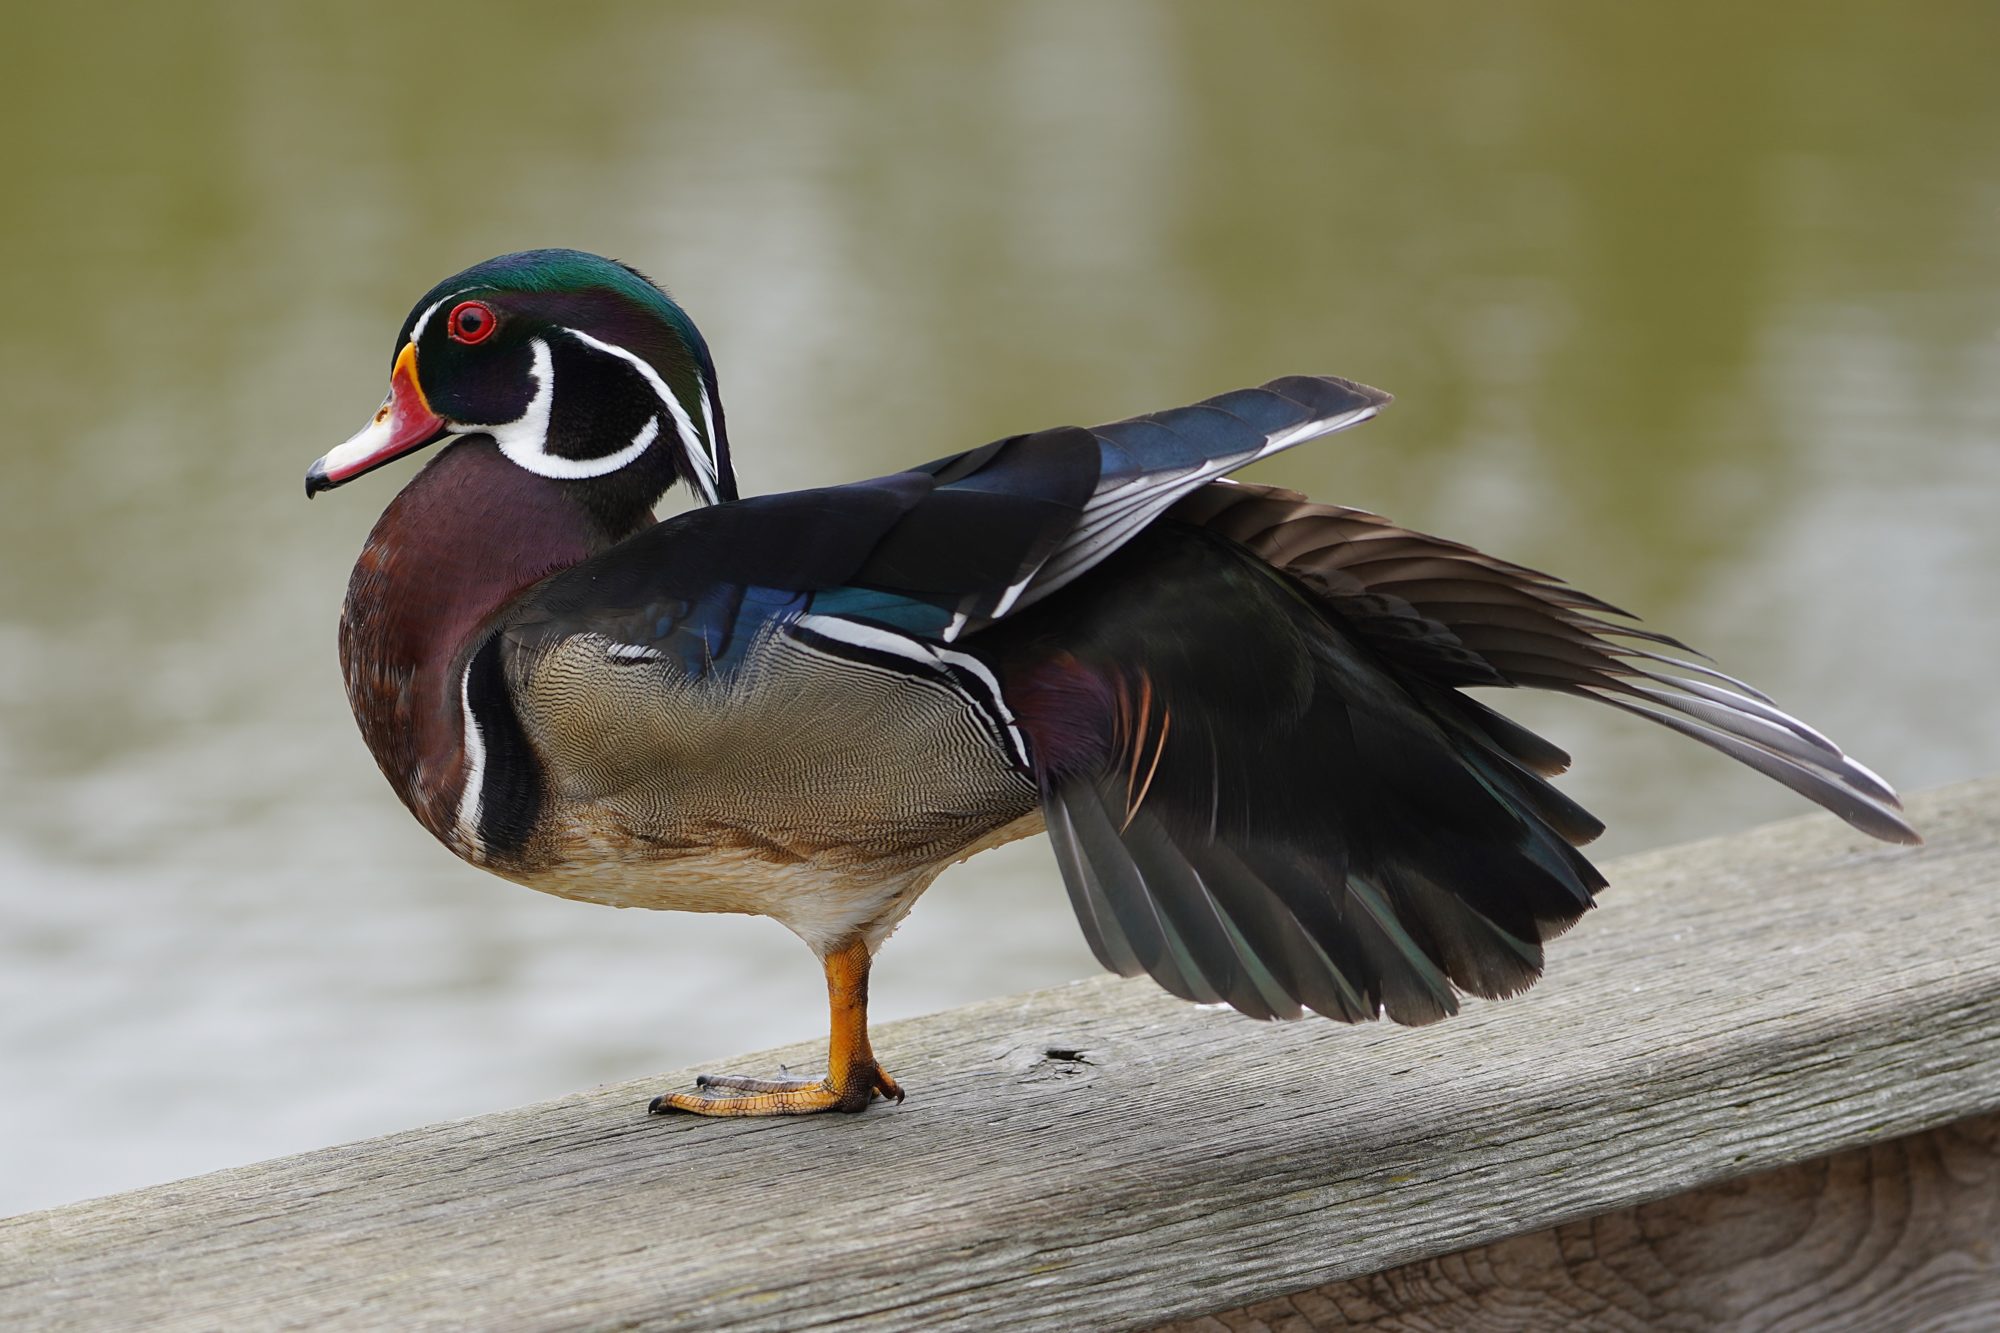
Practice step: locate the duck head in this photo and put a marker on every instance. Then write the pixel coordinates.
(575, 367)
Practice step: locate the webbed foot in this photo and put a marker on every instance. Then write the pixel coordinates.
(733, 1094)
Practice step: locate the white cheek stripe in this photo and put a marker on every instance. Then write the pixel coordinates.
(469, 800)
(525, 440)
(700, 453)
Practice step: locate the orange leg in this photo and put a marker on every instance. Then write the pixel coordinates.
(852, 1081)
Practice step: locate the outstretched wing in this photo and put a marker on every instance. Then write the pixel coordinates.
(1455, 616)
(1265, 787)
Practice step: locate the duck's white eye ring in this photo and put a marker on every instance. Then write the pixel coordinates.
(471, 322)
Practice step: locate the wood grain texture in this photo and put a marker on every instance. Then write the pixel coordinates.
(1101, 1155)
(1900, 1235)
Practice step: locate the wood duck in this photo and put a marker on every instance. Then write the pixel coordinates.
(1236, 711)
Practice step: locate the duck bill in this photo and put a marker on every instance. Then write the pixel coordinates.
(404, 423)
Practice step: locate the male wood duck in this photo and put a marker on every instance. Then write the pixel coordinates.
(1236, 711)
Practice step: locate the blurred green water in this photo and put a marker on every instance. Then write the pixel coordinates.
(1699, 307)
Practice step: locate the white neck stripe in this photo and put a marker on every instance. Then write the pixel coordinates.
(708, 429)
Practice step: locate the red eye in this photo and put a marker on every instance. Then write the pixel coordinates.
(470, 322)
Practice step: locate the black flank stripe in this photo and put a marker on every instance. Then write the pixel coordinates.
(510, 802)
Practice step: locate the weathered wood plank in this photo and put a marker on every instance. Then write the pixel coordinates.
(1899, 1235)
(1734, 1006)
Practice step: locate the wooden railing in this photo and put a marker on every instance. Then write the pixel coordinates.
(1757, 1088)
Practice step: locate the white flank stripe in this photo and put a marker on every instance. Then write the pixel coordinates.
(867, 636)
(475, 765)
(691, 440)
(634, 652)
(914, 650)
(976, 668)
